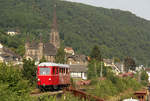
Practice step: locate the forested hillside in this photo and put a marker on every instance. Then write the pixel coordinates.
(118, 33)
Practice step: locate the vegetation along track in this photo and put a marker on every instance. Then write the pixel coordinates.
(81, 94)
(37, 92)
(75, 92)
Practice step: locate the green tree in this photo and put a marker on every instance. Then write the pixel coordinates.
(60, 56)
(95, 53)
(129, 64)
(29, 70)
(43, 59)
(97, 69)
(116, 59)
(144, 77)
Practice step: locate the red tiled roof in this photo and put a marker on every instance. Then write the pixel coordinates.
(126, 74)
(140, 92)
(68, 48)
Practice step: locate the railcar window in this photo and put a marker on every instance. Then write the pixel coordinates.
(44, 71)
(62, 70)
(59, 70)
(54, 71)
(66, 70)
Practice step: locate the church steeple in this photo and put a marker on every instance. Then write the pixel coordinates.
(54, 35)
(54, 25)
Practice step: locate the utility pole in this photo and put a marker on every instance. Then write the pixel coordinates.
(139, 76)
(101, 73)
(95, 69)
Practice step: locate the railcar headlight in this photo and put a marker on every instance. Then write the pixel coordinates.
(49, 79)
(38, 79)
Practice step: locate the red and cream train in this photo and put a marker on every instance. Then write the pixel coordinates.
(53, 75)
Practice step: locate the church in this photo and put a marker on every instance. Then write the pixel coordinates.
(36, 51)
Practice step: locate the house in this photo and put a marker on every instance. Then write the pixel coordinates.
(78, 71)
(1, 48)
(1, 59)
(76, 59)
(110, 63)
(12, 33)
(120, 66)
(7, 56)
(69, 50)
(130, 99)
(139, 68)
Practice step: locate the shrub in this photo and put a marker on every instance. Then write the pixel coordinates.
(29, 70)
(10, 75)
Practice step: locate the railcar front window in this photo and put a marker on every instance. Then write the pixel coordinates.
(44, 71)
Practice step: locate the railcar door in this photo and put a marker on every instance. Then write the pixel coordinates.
(55, 76)
(61, 76)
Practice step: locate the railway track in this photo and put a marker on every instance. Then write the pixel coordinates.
(37, 92)
(83, 95)
(75, 92)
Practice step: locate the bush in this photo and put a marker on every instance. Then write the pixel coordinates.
(29, 70)
(108, 88)
(12, 85)
(113, 85)
(10, 75)
(144, 78)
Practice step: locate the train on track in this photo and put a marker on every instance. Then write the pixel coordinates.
(53, 76)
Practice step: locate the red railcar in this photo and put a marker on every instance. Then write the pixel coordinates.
(53, 75)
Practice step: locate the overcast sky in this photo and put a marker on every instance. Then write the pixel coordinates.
(139, 7)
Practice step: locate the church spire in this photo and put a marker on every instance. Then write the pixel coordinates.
(54, 25)
(54, 35)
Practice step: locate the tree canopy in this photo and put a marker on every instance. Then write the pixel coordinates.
(117, 33)
(60, 56)
(129, 64)
(95, 54)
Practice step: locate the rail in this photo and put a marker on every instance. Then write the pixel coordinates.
(82, 94)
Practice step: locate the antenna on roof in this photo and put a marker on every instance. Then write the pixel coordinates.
(40, 37)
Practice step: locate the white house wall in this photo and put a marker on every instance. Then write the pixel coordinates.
(78, 75)
(148, 72)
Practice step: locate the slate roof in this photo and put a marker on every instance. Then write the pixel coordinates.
(78, 57)
(68, 48)
(9, 55)
(8, 52)
(78, 68)
(49, 49)
(33, 45)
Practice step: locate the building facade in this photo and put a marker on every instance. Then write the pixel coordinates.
(78, 71)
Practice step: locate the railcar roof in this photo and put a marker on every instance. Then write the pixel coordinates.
(53, 64)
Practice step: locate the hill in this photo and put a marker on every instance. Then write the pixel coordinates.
(118, 33)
